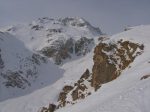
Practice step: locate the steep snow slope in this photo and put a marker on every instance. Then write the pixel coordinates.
(126, 93)
(42, 97)
(23, 71)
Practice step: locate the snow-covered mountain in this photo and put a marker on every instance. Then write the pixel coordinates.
(60, 39)
(112, 77)
(23, 66)
(23, 71)
(117, 81)
(130, 89)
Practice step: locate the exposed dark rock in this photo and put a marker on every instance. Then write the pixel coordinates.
(145, 77)
(63, 95)
(78, 91)
(37, 27)
(1, 61)
(127, 28)
(59, 50)
(102, 38)
(14, 79)
(67, 88)
(110, 59)
(62, 99)
(82, 46)
(85, 75)
(36, 58)
(69, 45)
(62, 49)
(59, 30)
(26, 72)
(51, 108)
(75, 95)
(80, 87)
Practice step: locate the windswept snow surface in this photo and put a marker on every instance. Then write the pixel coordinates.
(125, 94)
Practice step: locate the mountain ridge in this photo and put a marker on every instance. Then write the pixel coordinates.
(59, 39)
(128, 91)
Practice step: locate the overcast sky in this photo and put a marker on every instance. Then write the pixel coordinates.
(110, 15)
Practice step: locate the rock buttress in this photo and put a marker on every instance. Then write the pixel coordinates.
(111, 58)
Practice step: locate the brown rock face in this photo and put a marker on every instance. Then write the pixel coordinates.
(76, 92)
(85, 75)
(63, 95)
(111, 58)
(51, 108)
(109, 61)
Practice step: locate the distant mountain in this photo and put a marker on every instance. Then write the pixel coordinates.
(22, 71)
(59, 39)
(28, 51)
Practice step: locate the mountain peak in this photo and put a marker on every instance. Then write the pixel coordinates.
(52, 36)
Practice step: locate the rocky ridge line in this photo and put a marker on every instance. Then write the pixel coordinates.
(110, 59)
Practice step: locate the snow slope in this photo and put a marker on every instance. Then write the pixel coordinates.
(23, 71)
(125, 94)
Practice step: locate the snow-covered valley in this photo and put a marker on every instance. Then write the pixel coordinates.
(128, 92)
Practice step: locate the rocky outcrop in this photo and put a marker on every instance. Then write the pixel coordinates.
(80, 90)
(51, 108)
(128, 28)
(111, 58)
(82, 46)
(26, 72)
(62, 49)
(15, 79)
(102, 38)
(51, 31)
(37, 27)
(59, 50)
(71, 94)
(1, 61)
(63, 95)
(145, 77)
(38, 59)
(79, 22)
